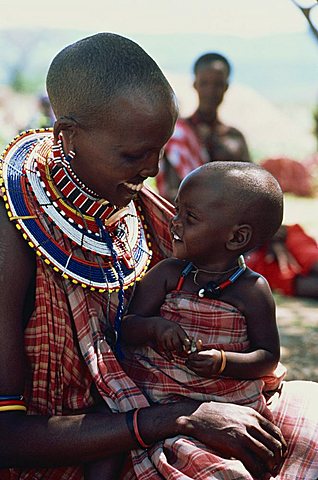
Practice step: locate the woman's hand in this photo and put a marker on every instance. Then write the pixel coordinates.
(239, 432)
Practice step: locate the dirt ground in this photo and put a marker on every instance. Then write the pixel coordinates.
(298, 327)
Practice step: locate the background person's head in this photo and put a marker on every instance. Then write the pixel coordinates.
(211, 80)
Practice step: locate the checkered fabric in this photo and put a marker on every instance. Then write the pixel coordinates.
(183, 152)
(219, 325)
(67, 353)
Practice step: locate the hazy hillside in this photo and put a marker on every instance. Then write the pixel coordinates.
(274, 82)
(281, 67)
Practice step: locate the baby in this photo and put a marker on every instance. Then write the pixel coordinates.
(206, 323)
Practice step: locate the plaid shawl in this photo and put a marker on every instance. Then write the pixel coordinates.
(219, 325)
(66, 348)
(291, 407)
(67, 353)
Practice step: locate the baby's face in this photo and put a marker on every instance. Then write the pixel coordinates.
(202, 224)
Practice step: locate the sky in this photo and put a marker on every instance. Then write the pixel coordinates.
(246, 18)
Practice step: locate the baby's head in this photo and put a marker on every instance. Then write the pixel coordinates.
(241, 202)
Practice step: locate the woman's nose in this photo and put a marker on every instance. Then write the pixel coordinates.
(151, 166)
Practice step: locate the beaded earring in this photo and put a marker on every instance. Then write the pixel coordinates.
(70, 156)
(66, 158)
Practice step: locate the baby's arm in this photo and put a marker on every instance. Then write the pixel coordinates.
(264, 352)
(143, 325)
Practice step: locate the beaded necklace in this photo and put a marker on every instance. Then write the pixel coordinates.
(212, 289)
(66, 223)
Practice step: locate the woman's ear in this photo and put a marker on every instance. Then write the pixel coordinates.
(69, 127)
(240, 237)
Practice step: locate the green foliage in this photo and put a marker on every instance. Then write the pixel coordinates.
(21, 83)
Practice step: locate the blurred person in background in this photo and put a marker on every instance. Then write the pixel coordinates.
(202, 137)
(44, 116)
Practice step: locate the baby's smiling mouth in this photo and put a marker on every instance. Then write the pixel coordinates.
(175, 236)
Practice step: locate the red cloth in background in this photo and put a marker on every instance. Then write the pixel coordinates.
(303, 248)
(293, 176)
(184, 153)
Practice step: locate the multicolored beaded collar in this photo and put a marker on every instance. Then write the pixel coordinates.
(212, 289)
(83, 237)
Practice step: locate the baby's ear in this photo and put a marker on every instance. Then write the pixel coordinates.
(240, 237)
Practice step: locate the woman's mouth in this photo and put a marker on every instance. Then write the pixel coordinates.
(133, 187)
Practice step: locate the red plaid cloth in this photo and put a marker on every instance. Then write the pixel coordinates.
(63, 367)
(292, 408)
(67, 353)
(219, 325)
(184, 152)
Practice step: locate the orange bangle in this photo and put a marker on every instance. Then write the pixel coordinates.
(223, 362)
(136, 430)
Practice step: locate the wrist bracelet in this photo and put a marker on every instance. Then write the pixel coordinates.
(223, 362)
(10, 403)
(136, 430)
(132, 424)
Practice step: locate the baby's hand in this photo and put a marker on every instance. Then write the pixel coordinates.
(205, 363)
(169, 337)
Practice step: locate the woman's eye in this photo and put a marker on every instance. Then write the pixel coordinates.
(192, 215)
(132, 157)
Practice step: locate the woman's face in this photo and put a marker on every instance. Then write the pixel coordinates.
(115, 159)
